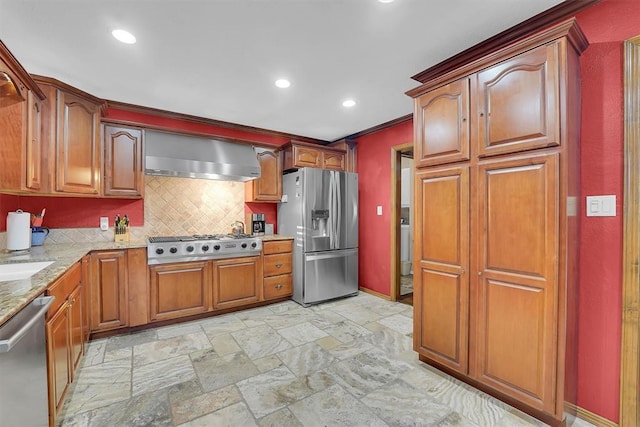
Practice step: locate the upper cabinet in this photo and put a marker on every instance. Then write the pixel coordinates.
(71, 134)
(443, 132)
(267, 188)
(20, 136)
(123, 161)
(299, 154)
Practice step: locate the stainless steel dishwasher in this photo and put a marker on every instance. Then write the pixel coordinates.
(23, 367)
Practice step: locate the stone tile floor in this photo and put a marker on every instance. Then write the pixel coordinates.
(343, 363)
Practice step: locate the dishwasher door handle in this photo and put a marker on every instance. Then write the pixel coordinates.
(8, 344)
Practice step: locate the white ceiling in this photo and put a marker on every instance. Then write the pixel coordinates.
(219, 58)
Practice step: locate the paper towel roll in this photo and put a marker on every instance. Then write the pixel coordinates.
(18, 230)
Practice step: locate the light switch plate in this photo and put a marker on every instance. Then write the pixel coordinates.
(379, 210)
(104, 223)
(601, 205)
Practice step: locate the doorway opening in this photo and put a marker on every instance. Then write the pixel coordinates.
(402, 223)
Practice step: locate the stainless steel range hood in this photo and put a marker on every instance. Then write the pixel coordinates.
(169, 154)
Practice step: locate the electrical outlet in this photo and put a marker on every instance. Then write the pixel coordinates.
(379, 210)
(104, 223)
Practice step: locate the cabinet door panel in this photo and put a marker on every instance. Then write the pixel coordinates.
(123, 162)
(58, 356)
(109, 307)
(267, 188)
(179, 290)
(75, 322)
(306, 157)
(516, 325)
(34, 143)
(236, 281)
(333, 161)
(442, 125)
(517, 103)
(78, 155)
(441, 288)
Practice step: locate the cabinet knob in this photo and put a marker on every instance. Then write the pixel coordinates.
(464, 119)
(278, 286)
(481, 114)
(278, 265)
(479, 273)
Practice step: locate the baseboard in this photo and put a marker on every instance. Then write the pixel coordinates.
(588, 416)
(378, 294)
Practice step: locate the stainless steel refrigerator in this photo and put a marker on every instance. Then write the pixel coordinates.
(319, 209)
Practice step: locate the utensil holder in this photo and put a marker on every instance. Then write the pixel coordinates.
(122, 235)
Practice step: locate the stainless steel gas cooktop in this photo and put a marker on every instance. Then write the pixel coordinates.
(166, 249)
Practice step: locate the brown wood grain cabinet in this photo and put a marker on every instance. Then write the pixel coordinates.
(123, 161)
(298, 154)
(138, 290)
(71, 138)
(267, 188)
(497, 182)
(109, 290)
(277, 265)
(85, 266)
(179, 290)
(236, 282)
(64, 336)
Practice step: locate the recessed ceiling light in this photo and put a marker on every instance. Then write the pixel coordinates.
(283, 83)
(385, 1)
(124, 36)
(348, 103)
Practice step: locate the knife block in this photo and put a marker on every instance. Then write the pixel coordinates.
(122, 235)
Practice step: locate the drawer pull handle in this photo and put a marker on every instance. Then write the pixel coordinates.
(278, 265)
(278, 286)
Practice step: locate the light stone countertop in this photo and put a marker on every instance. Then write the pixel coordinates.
(16, 294)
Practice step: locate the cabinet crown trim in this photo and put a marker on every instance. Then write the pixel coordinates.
(568, 29)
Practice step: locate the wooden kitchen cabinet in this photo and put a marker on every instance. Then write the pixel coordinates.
(20, 128)
(442, 247)
(123, 162)
(497, 180)
(443, 134)
(85, 270)
(179, 290)
(298, 154)
(267, 188)
(138, 290)
(109, 290)
(236, 281)
(277, 264)
(64, 336)
(71, 137)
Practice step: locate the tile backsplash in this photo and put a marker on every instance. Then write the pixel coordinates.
(172, 206)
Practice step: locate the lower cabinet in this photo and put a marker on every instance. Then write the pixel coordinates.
(178, 290)
(277, 266)
(64, 330)
(236, 281)
(109, 290)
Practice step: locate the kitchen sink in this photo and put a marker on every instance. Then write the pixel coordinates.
(21, 270)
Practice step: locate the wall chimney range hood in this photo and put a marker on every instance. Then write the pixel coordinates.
(169, 154)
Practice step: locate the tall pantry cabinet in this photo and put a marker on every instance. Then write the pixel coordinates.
(497, 181)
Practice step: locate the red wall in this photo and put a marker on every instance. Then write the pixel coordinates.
(177, 124)
(68, 212)
(374, 175)
(606, 26)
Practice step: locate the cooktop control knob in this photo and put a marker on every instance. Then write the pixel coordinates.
(189, 248)
(205, 248)
(254, 244)
(216, 247)
(244, 245)
(159, 251)
(173, 250)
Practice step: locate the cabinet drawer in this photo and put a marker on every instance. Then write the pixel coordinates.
(277, 264)
(277, 247)
(62, 288)
(277, 286)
